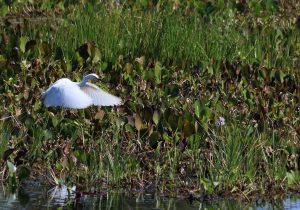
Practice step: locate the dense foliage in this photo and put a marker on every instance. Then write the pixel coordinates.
(180, 67)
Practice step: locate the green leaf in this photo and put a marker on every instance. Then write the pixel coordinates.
(58, 166)
(48, 134)
(155, 117)
(104, 66)
(96, 55)
(22, 43)
(281, 76)
(206, 113)
(272, 74)
(54, 121)
(157, 72)
(138, 123)
(207, 185)
(154, 138)
(68, 66)
(188, 128)
(292, 177)
(4, 11)
(201, 110)
(143, 3)
(197, 106)
(129, 128)
(173, 121)
(210, 70)
(172, 90)
(149, 75)
(23, 172)
(271, 6)
(60, 5)
(147, 114)
(46, 5)
(2, 60)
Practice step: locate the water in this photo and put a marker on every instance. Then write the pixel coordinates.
(34, 196)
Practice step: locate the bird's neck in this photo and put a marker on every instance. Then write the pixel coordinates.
(86, 78)
(84, 81)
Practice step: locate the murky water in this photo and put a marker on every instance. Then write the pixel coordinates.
(34, 196)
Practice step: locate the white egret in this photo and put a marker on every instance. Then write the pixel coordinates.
(77, 95)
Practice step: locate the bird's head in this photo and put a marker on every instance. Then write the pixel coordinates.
(87, 78)
(90, 77)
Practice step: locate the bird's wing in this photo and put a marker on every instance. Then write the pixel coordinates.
(99, 96)
(67, 94)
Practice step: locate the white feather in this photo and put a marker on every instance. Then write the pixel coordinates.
(99, 96)
(67, 94)
(76, 95)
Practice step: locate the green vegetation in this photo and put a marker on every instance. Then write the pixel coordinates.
(179, 66)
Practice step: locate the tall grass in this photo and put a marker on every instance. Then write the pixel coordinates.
(84, 149)
(165, 36)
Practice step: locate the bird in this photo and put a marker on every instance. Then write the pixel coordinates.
(78, 95)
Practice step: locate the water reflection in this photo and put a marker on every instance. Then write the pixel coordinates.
(34, 196)
(61, 195)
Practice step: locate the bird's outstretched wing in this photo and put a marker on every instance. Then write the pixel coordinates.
(67, 94)
(99, 96)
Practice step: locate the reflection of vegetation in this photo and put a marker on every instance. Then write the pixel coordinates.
(179, 67)
(38, 197)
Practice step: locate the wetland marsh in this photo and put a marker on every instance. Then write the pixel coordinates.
(211, 94)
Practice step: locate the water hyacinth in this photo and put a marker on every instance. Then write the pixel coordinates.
(177, 72)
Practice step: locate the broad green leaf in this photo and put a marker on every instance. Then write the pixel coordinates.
(155, 117)
(205, 113)
(154, 138)
(58, 166)
(22, 43)
(129, 128)
(96, 55)
(54, 121)
(292, 177)
(207, 185)
(147, 114)
(138, 123)
(210, 70)
(4, 10)
(173, 122)
(60, 5)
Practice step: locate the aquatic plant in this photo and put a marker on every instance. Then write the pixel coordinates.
(179, 68)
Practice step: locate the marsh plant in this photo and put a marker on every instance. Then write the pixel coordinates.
(211, 95)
